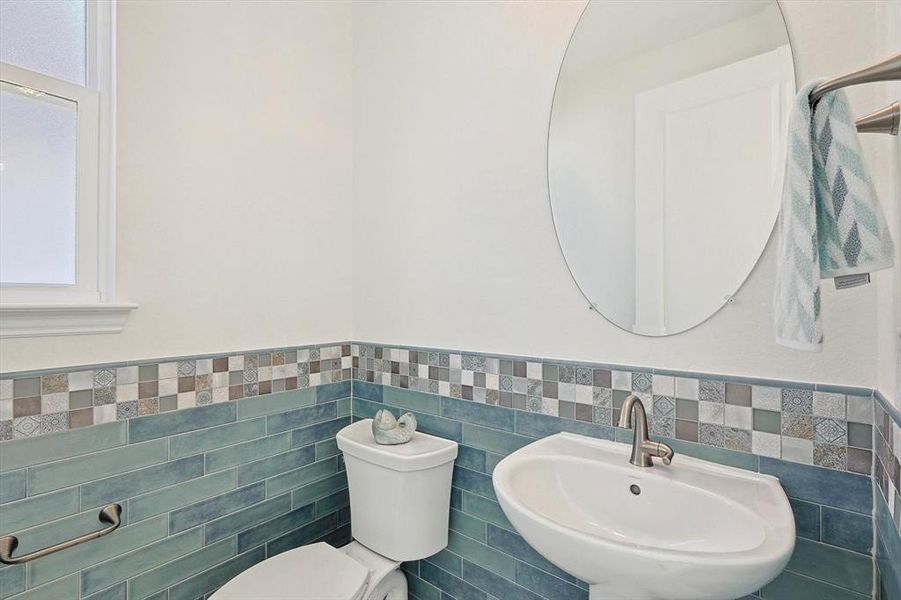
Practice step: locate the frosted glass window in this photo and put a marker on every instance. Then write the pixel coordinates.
(37, 188)
(47, 36)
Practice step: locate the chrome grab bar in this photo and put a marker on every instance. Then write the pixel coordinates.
(110, 514)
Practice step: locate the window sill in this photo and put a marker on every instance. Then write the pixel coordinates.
(33, 320)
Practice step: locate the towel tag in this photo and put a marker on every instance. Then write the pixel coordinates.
(849, 281)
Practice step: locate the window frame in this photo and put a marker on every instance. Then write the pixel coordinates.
(88, 306)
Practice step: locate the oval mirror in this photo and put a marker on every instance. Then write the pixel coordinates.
(666, 153)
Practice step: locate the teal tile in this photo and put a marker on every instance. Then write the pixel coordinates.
(166, 575)
(546, 585)
(326, 448)
(247, 452)
(472, 481)
(204, 440)
(163, 595)
(482, 555)
(491, 461)
(421, 589)
(848, 530)
(832, 565)
(303, 535)
(191, 516)
(344, 407)
(332, 391)
(77, 470)
(298, 477)
(12, 486)
(515, 546)
(276, 527)
(332, 502)
(439, 426)
(182, 494)
(275, 465)
(26, 452)
(136, 483)
(538, 426)
(447, 560)
(117, 592)
(231, 524)
(126, 566)
(317, 433)
(493, 440)
(39, 509)
(12, 580)
(367, 391)
(451, 586)
(470, 458)
(180, 421)
(119, 542)
(468, 525)
(202, 583)
(61, 589)
(486, 510)
(323, 487)
(276, 403)
(301, 417)
(732, 458)
(496, 417)
(411, 400)
(791, 586)
(500, 587)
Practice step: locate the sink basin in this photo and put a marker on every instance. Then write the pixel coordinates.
(693, 530)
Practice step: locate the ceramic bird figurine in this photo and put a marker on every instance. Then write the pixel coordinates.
(389, 431)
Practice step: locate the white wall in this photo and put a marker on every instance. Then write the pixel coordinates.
(453, 241)
(234, 191)
(888, 283)
(235, 201)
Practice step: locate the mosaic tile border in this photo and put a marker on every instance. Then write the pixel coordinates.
(42, 402)
(887, 456)
(827, 426)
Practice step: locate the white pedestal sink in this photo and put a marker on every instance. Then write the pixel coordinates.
(693, 530)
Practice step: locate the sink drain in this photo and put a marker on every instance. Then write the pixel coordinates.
(634, 489)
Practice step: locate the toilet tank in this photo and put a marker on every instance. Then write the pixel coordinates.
(399, 495)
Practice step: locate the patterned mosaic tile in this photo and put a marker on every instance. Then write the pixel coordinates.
(35, 405)
(823, 428)
(887, 453)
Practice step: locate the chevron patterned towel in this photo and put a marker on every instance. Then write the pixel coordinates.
(831, 223)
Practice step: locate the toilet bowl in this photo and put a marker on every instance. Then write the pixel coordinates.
(399, 507)
(319, 572)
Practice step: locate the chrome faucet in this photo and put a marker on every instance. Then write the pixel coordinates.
(642, 446)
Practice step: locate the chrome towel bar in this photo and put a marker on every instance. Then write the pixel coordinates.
(110, 515)
(885, 120)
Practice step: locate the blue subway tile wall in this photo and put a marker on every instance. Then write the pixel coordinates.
(206, 492)
(224, 460)
(486, 558)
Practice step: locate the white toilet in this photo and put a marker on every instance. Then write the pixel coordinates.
(399, 507)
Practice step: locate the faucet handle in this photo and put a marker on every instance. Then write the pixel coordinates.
(659, 450)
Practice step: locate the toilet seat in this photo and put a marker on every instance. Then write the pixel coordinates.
(314, 572)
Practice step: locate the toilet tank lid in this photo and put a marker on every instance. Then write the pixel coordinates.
(424, 451)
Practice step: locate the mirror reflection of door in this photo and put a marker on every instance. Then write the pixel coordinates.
(665, 154)
(708, 149)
